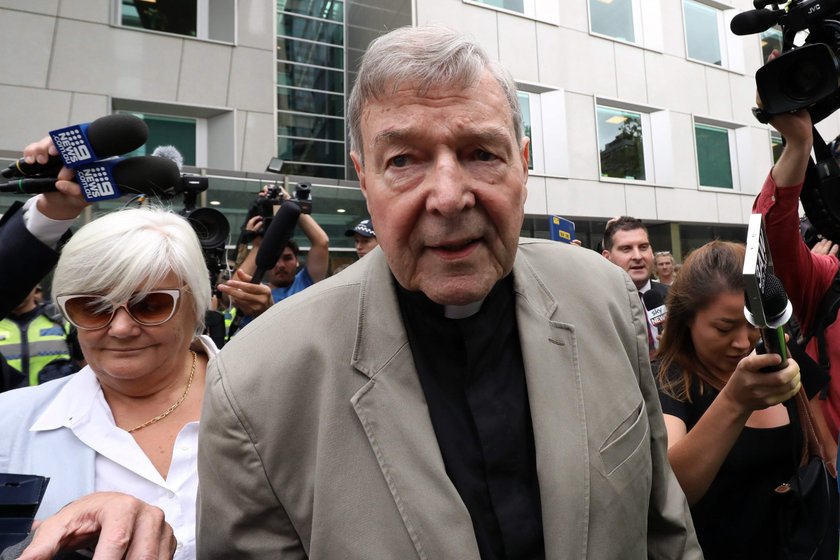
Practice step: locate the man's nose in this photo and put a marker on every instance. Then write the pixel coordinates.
(450, 187)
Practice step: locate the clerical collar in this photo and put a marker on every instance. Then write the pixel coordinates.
(421, 302)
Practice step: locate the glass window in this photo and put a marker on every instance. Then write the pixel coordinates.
(621, 144)
(308, 101)
(325, 9)
(179, 16)
(168, 131)
(776, 145)
(525, 109)
(714, 160)
(310, 77)
(306, 126)
(512, 5)
(771, 40)
(306, 52)
(308, 28)
(310, 151)
(702, 32)
(613, 18)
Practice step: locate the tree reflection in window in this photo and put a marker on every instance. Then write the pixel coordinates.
(620, 144)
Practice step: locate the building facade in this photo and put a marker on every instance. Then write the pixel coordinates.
(638, 107)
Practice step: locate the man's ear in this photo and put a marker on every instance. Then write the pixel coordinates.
(360, 171)
(606, 255)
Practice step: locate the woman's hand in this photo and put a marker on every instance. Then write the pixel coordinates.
(751, 389)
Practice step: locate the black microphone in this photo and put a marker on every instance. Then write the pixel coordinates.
(276, 237)
(755, 21)
(112, 178)
(777, 311)
(656, 310)
(107, 136)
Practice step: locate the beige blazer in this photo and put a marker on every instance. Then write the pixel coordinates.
(316, 440)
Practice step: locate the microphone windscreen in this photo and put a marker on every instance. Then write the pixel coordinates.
(150, 175)
(171, 153)
(653, 299)
(754, 21)
(114, 135)
(773, 299)
(279, 232)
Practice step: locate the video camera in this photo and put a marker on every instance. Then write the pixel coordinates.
(267, 206)
(803, 76)
(210, 225)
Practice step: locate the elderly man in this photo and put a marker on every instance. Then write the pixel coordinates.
(461, 393)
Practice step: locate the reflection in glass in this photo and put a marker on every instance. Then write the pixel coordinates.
(613, 19)
(169, 16)
(313, 29)
(305, 126)
(308, 101)
(310, 53)
(713, 158)
(702, 33)
(310, 151)
(290, 74)
(620, 144)
(325, 9)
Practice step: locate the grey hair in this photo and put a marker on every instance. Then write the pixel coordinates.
(429, 57)
(129, 252)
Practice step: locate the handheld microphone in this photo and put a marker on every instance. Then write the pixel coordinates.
(656, 309)
(755, 21)
(111, 178)
(113, 135)
(777, 311)
(766, 304)
(276, 237)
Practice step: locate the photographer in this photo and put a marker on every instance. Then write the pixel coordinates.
(287, 277)
(806, 275)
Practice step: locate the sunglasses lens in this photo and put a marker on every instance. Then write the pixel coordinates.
(87, 312)
(153, 309)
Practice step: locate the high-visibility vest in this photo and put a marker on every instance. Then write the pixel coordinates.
(29, 347)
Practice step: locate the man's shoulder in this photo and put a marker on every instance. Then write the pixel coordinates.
(566, 260)
(659, 287)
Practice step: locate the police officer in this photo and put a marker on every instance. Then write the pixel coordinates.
(30, 338)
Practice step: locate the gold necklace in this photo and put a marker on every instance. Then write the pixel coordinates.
(172, 408)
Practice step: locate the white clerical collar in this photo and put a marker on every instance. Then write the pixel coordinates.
(462, 311)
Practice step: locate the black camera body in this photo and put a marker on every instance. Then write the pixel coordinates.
(210, 225)
(803, 76)
(267, 206)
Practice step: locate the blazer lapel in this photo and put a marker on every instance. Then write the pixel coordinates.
(392, 408)
(549, 352)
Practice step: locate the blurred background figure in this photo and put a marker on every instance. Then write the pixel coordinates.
(364, 237)
(663, 262)
(30, 339)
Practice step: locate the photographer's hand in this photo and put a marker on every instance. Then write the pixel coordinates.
(252, 299)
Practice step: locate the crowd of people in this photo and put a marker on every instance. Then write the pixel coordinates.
(459, 392)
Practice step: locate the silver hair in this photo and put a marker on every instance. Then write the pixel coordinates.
(429, 57)
(130, 252)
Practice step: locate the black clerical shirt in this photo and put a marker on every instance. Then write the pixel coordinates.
(473, 377)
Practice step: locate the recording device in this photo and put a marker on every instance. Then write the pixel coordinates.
(210, 225)
(656, 309)
(803, 76)
(111, 135)
(275, 239)
(766, 303)
(20, 496)
(111, 178)
(808, 232)
(267, 206)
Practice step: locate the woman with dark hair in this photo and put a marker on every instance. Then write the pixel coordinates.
(730, 440)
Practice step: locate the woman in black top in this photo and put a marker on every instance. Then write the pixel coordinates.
(729, 448)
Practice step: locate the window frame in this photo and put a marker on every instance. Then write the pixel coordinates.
(731, 55)
(735, 138)
(636, 23)
(203, 26)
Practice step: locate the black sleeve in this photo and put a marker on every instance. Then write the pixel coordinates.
(24, 260)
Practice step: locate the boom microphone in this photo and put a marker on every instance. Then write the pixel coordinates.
(656, 310)
(755, 21)
(107, 136)
(111, 178)
(275, 239)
